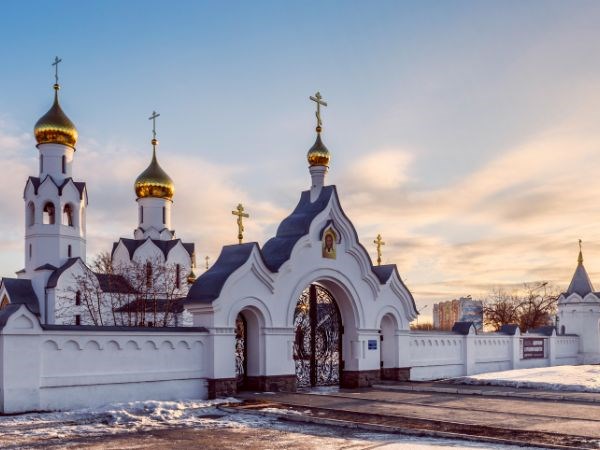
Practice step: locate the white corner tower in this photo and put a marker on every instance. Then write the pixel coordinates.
(318, 156)
(55, 204)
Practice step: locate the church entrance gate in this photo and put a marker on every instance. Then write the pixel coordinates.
(318, 339)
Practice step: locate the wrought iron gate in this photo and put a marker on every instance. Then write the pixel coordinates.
(318, 341)
(241, 350)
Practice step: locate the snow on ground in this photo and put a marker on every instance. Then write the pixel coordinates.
(558, 378)
(22, 431)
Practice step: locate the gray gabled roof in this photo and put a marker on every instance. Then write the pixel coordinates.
(207, 286)
(53, 280)
(463, 327)
(509, 329)
(20, 292)
(278, 249)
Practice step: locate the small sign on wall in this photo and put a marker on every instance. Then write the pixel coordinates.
(372, 344)
(533, 348)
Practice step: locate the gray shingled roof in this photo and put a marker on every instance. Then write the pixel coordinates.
(580, 283)
(462, 327)
(114, 283)
(20, 292)
(53, 280)
(207, 287)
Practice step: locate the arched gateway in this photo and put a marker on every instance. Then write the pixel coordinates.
(309, 308)
(317, 339)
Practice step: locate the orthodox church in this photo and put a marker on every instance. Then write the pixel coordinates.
(308, 308)
(61, 286)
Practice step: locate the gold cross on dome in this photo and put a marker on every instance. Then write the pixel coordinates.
(57, 60)
(318, 99)
(378, 242)
(239, 212)
(153, 119)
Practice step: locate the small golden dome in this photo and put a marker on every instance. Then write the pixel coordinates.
(154, 181)
(318, 155)
(55, 127)
(191, 277)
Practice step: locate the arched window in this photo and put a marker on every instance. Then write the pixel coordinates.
(69, 251)
(67, 218)
(178, 276)
(64, 164)
(49, 214)
(30, 250)
(41, 163)
(164, 215)
(30, 214)
(4, 302)
(148, 274)
(77, 298)
(563, 329)
(141, 214)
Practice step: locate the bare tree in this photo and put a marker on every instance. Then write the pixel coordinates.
(530, 307)
(136, 294)
(426, 326)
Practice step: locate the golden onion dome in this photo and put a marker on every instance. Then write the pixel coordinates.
(154, 181)
(55, 127)
(318, 155)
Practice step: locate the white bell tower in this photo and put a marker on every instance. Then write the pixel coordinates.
(55, 204)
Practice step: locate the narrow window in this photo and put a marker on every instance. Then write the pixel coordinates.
(562, 329)
(67, 218)
(64, 164)
(164, 215)
(30, 214)
(141, 214)
(69, 251)
(4, 302)
(78, 298)
(30, 251)
(148, 274)
(41, 163)
(49, 214)
(178, 276)
(77, 319)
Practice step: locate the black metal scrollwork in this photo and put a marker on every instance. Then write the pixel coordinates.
(317, 344)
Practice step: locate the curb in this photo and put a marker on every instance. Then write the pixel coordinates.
(393, 429)
(490, 393)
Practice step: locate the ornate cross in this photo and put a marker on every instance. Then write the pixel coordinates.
(378, 242)
(57, 60)
(239, 212)
(153, 119)
(206, 258)
(319, 101)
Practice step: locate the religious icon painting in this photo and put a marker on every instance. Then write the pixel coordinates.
(328, 244)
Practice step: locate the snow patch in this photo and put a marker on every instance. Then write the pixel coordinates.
(584, 378)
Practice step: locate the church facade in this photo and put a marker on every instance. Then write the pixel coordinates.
(308, 308)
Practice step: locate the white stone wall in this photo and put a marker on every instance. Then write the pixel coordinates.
(435, 355)
(65, 368)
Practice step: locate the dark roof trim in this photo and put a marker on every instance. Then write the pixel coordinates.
(463, 328)
(208, 286)
(20, 291)
(79, 185)
(165, 246)
(509, 329)
(53, 280)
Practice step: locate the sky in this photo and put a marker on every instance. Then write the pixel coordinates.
(466, 133)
